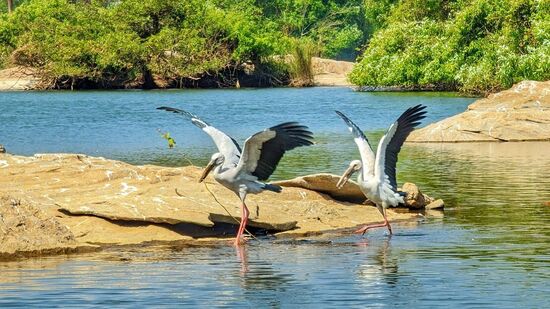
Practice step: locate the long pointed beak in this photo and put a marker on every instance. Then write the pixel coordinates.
(207, 170)
(345, 177)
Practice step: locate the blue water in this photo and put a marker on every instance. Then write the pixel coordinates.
(123, 125)
(490, 248)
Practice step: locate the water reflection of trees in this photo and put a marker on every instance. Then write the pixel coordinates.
(495, 189)
(487, 183)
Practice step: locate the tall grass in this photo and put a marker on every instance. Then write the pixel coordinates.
(301, 69)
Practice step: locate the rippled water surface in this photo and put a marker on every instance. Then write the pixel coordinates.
(490, 249)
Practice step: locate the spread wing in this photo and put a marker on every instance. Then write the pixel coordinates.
(367, 155)
(263, 150)
(391, 142)
(226, 144)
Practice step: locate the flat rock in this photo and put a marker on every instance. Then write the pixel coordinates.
(26, 230)
(82, 185)
(329, 72)
(18, 78)
(437, 204)
(521, 113)
(326, 183)
(106, 201)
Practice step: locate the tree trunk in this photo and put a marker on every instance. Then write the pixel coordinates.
(148, 80)
(10, 6)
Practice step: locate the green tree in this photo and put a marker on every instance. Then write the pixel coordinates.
(472, 45)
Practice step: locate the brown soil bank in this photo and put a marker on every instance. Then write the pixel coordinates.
(521, 113)
(58, 203)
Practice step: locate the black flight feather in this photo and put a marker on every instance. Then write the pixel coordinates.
(405, 125)
(288, 135)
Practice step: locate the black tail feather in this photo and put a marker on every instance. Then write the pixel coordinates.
(271, 187)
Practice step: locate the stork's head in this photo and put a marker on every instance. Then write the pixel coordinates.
(216, 160)
(354, 166)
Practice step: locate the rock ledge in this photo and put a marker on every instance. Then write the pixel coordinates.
(521, 113)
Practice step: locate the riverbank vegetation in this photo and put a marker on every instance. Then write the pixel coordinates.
(468, 45)
(183, 43)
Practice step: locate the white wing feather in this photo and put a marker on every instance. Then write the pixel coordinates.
(225, 145)
(379, 165)
(365, 150)
(253, 150)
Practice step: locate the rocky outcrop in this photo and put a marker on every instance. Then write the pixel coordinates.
(103, 201)
(521, 113)
(414, 198)
(328, 72)
(326, 183)
(18, 78)
(57, 203)
(26, 230)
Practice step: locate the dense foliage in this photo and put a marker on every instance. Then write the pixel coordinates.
(120, 42)
(473, 45)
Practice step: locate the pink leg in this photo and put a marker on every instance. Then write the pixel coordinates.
(240, 230)
(244, 220)
(386, 223)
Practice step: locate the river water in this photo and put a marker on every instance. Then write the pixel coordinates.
(490, 248)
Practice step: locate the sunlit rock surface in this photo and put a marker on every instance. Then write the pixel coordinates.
(521, 113)
(437, 204)
(102, 201)
(18, 78)
(326, 183)
(328, 72)
(26, 230)
(415, 199)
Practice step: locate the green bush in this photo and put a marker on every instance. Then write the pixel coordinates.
(123, 42)
(471, 45)
(475, 46)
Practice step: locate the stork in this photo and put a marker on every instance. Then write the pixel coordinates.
(377, 172)
(243, 172)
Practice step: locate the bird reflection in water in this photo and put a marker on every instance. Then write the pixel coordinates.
(258, 274)
(242, 257)
(385, 266)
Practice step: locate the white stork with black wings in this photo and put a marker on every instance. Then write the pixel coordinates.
(243, 171)
(377, 172)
